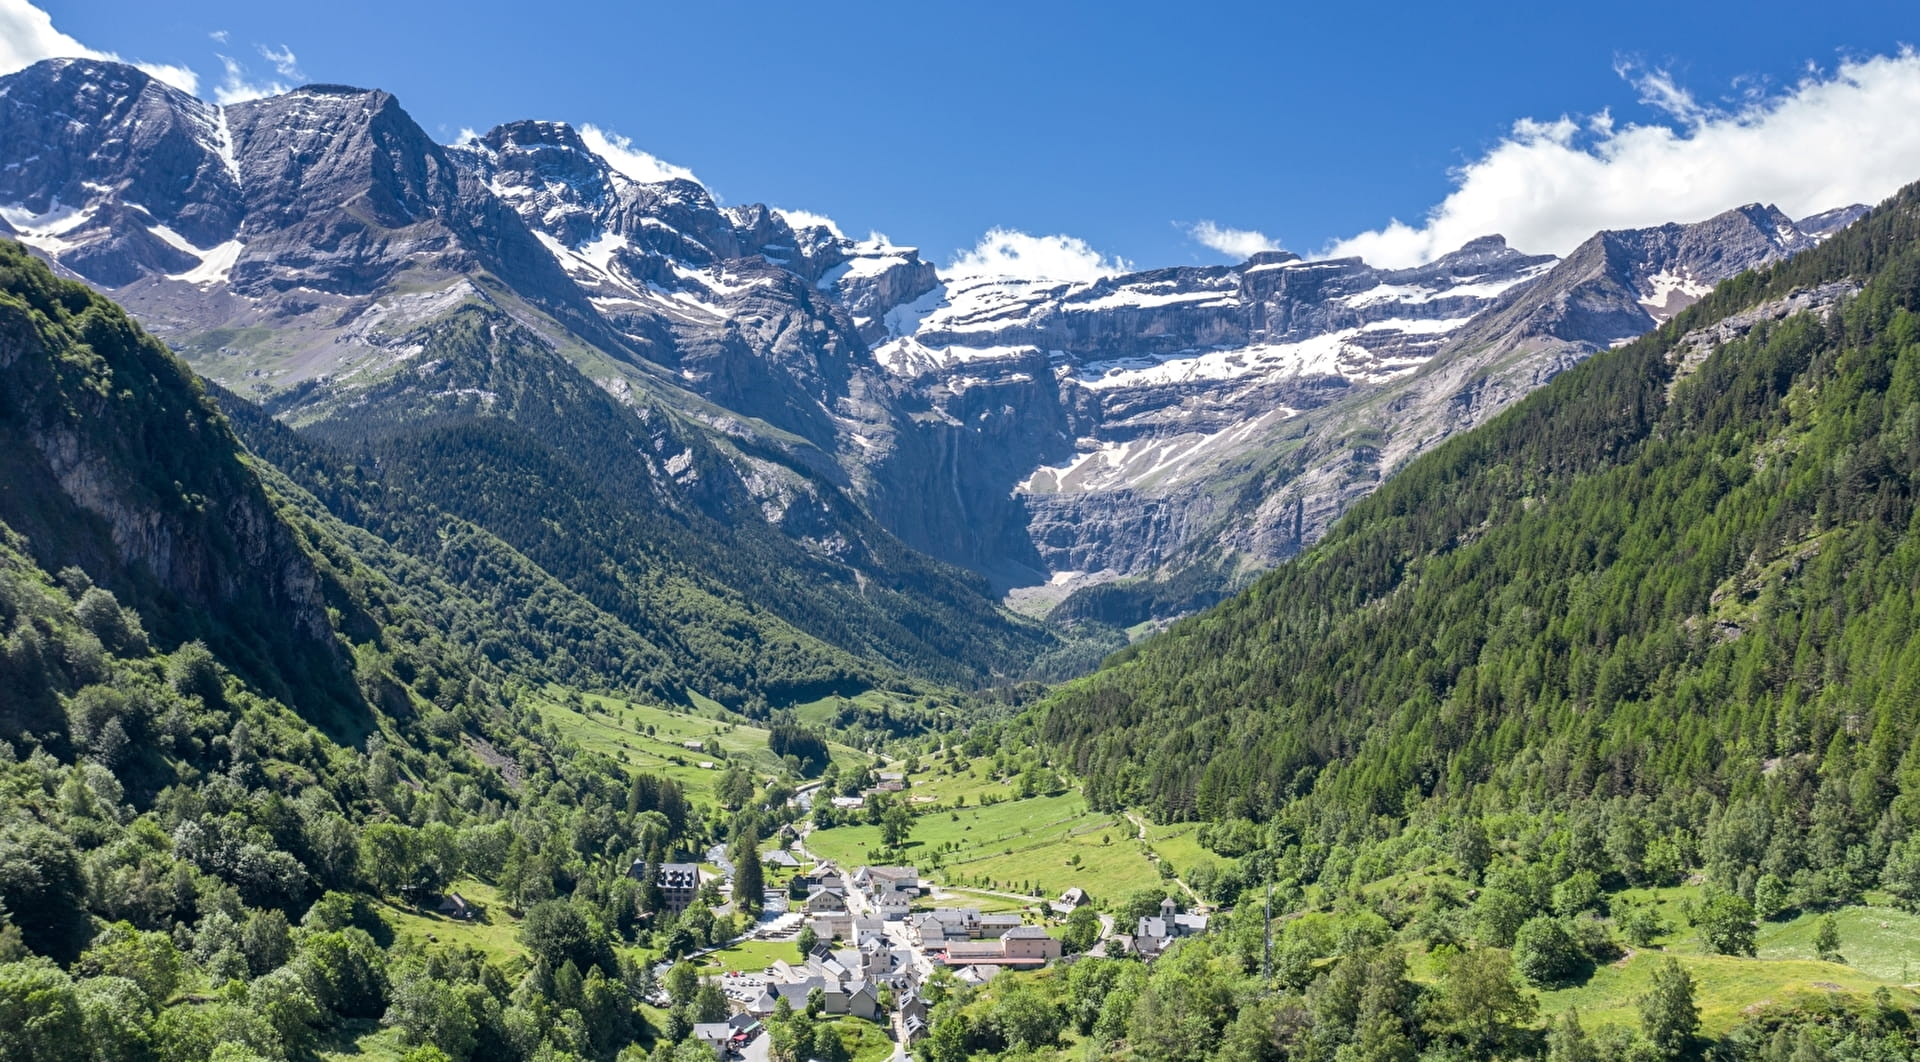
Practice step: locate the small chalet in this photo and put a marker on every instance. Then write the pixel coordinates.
(902, 878)
(821, 899)
(715, 1034)
(977, 975)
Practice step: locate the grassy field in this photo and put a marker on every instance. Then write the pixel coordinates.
(1727, 989)
(825, 712)
(1179, 845)
(987, 902)
(865, 1041)
(496, 933)
(1877, 942)
(968, 782)
(620, 729)
(1054, 842)
(1881, 942)
(750, 956)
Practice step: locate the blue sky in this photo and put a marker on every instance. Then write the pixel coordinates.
(1121, 124)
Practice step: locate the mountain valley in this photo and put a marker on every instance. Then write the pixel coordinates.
(465, 601)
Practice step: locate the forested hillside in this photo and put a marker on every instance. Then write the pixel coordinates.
(1652, 576)
(1579, 713)
(246, 748)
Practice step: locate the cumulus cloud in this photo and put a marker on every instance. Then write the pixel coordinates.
(27, 36)
(238, 86)
(1011, 253)
(806, 219)
(1234, 243)
(623, 156)
(1828, 141)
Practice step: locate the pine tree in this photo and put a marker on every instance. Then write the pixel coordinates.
(1826, 942)
(749, 877)
(1667, 1014)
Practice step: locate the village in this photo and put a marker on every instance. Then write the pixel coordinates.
(999, 867)
(879, 934)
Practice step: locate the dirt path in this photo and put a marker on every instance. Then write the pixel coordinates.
(1140, 825)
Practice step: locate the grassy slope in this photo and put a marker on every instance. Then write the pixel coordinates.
(1728, 989)
(1013, 841)
(495, 932)
(612, 727)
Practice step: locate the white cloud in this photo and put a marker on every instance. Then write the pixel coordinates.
(802, 219)
(179, 77)
(1234, 243)
(27, 36)
(468, 134)
(219, 36)
(1660, 91)
(1011, 253)
(283, 61)
(623, 156)
(237, 87)
(1829, 141)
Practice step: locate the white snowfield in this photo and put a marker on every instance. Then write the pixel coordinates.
(1343, 353)
(1670, 293)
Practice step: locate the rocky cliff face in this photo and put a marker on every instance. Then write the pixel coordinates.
(1292, 476)
(1046, 434)
(119, 465)
(760, 317)
(117, 175)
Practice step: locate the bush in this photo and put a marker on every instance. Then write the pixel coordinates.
(1640, 925)
(1546, 954)
(1726, 924)
(1578, 893)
